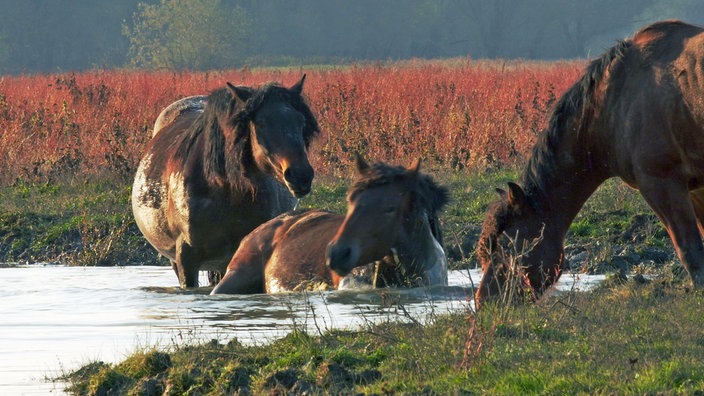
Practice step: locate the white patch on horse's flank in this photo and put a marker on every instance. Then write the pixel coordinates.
(145, 192)
(147, 198)
(140, 180)
(354, 282)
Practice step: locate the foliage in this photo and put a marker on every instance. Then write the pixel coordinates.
(455, 114)
(185, 34)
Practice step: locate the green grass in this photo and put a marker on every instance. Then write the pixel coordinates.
(75, 222)
(629, 339)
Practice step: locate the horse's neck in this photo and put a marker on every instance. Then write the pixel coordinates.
(420, 252)
(266, 193)
(572, 184)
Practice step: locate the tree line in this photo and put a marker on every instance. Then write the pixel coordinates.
(65, 35)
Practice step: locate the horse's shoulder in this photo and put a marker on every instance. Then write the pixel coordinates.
(314, 219)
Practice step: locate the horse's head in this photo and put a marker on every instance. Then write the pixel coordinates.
(384, 206)
(280, 127)
(513, 252)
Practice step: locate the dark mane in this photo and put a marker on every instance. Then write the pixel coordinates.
(222, 109)
(428, 196)
(574, 105)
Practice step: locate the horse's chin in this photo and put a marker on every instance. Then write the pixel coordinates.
(339, 270)
(298, 192)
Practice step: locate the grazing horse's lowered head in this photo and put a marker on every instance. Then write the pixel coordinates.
(219, 166)
(392, 216)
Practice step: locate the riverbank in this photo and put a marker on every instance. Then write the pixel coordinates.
(626, 337)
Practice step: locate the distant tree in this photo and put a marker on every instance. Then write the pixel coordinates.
(188, 34)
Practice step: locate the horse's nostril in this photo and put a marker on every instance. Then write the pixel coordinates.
(288, 175)
(299, 180)
(340, 259)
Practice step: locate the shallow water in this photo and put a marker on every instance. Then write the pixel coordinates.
(58, 318)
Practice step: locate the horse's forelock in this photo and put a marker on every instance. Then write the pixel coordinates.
(428, 195)
(378, 174)
(311, 128)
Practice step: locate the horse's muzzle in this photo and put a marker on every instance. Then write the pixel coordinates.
(299, 180)
(341, 258)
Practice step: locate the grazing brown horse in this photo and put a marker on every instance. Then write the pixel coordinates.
(392, 218)
(637, 113)
(219, 166)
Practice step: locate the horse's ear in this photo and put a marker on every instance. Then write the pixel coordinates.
(516, 196)
(362, 165)
(414, 169)
(298, 87)
(241, 93)
(502, 193)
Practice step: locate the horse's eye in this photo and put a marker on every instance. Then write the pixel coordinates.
(389, 210)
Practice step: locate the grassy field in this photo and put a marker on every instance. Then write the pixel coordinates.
(635, 337)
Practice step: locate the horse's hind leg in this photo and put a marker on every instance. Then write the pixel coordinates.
(214, 277)
(186, 265)
(672, 202)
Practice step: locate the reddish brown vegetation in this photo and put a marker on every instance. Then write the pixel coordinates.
(454, 114)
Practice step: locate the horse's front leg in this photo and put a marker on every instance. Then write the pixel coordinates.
(186, 264)
(671, 201)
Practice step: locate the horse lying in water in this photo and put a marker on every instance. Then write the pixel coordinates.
(392, 219)
(219, 166)
(637, 114)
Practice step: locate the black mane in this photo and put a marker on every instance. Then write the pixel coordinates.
(577, 103)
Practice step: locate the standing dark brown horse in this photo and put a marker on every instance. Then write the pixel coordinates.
(637, 113)
(392, 218)
(219, 166)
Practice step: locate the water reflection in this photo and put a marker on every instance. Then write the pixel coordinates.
(57, 317)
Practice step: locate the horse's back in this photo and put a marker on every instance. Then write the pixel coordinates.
(299, 256)
(280, 254)
(651, 110)
(176, 109)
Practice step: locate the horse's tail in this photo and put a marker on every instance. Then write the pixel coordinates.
(175, 109)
